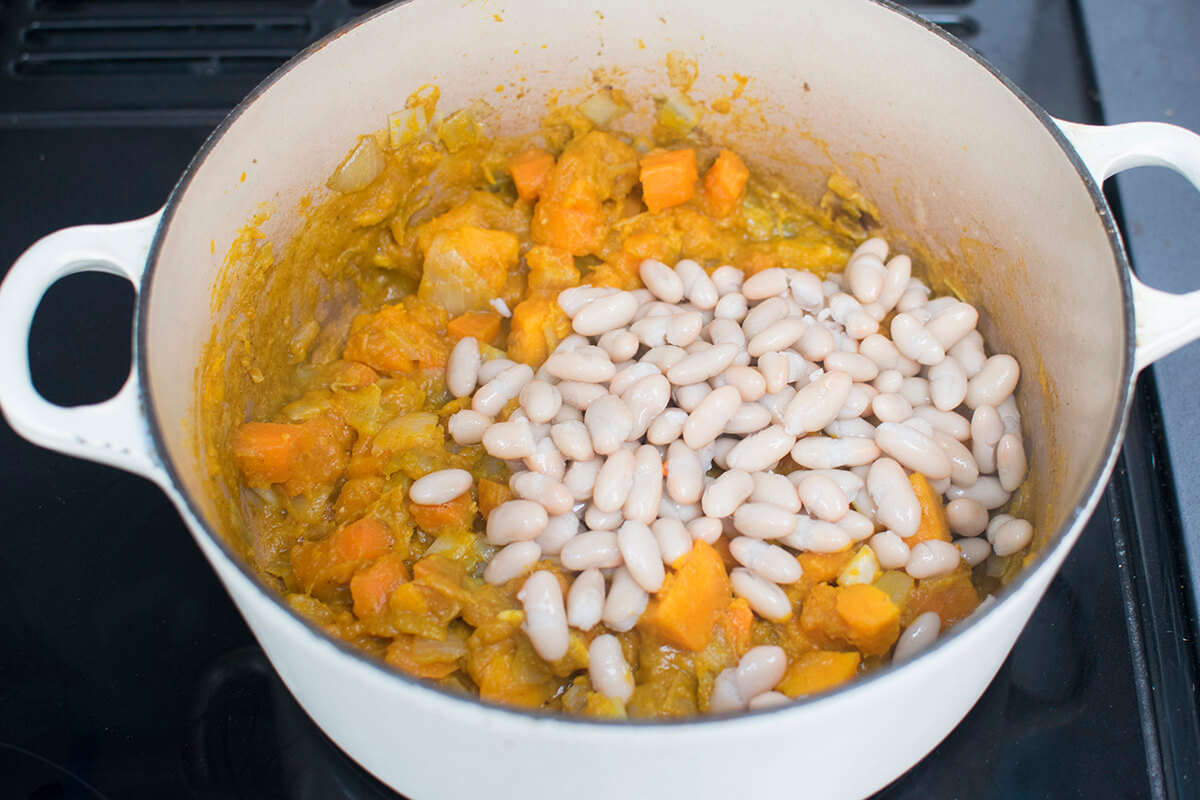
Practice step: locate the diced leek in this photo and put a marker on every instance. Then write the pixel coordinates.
(406, 125)
(459, 130)
(601, 108)
(362, 166)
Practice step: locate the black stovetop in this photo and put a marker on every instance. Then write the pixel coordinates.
(125, 671)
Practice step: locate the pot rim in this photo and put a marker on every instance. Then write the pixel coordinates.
(1061, 540)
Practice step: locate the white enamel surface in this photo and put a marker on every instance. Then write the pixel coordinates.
(897, 107)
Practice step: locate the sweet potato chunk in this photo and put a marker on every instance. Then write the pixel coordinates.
(817, 671)
(859, 616)
(466, 268)
(691, 600)
(933, 514)
(538, 325)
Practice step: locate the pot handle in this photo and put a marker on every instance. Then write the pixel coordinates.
(1165, 321)
(112, 432)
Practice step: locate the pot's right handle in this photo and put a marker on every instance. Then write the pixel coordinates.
(1165, 321)
(113, 432)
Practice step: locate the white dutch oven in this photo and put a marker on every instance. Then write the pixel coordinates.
(955, 156)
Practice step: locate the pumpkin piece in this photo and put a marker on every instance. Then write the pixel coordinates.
(692, 598)
(818, 670)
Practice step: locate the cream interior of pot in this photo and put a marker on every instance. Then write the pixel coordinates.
(955, 161)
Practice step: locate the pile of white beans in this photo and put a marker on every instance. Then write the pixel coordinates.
(615, 436)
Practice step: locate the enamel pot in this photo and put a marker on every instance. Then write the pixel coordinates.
(955, 156)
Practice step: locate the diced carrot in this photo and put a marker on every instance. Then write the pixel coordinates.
(482, 325)
(860, 616)
(538, 325)
(689, 604)
(492, 494)
(724, 184)
(456, 513)
(824, 567)
(933, 514)
(738, 624)
(529, 170)
(360, 541)
(551, 268)
(818, 670)
(668, 178)
(373, 584)
(263, 451)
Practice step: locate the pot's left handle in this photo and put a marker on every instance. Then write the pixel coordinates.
(1165, 321)
(113, 432)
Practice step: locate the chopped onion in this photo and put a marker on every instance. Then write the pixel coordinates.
(406, 125)
(601, 108)
(362, 166)
(459, 130)
(679, 113)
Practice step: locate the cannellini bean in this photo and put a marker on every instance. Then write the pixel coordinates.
(947, 384)
(765, 598)
(817, 536)
(573, 300)
(646, 400)
(974, 550)
(683, 329)
(661, 280)
(768, 700)
(1010, 416)
(516, 521)
(857, 526)
(585, 600)
(822, 497)
(666, 427)
(994, 382)
(625, 602)
(880, 350)
(896, 505)
(572, 440)
(891, 408)
(605, 314)
(546, 459)
(705, 529)
(589, 550)
(641, 554)
(685, 477)
(932, 557)
(919, 636)
(690, 396)
(763, 521)
(986, 431)
(913, 341)
(633, 374)
(727, 492)
(609, 423)
(552, 495)
(858, 401)
(1011, 537)
(724, 331)
(509, 440)
(580, 395)
(440, 487)
(559, 530)
(865, 274)
(621, 345)
(890, 550)
(775, 371)
(767, 283)
(727, 279)
(1010, 462)
(967, 517)
(888, 381)
(597, 520)
(493, 395)
(818, 403)
(963, 469)
(761, 450)
(609, 672)
(545, 617)
(540, 400)
(987, 491)
(709, 417)
(760, 670)
(580, 478)
(748, 381)
(702, 365)
(822, 452)
(816, 344)
(490, 370)
(776, 403)
(779, 336)
(858, 367)
(895, 281)
(698, 288)
(915, 391)
(766, 560)
(588, 364)
(749, 418)
(915, 295)
(950, 325)
(913, 449)
(849, 428)
(467, 426)
(948, 422)
(725, 696)
(969, 353)
(674, 540)
(512, 561)
(645, 495)
(651, 331)
(764, 315)
(806, 290)
(462, 368)
(776, 489)
(732, 306)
